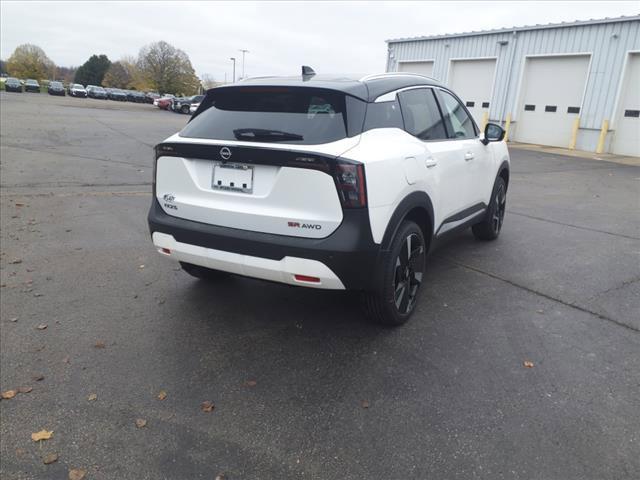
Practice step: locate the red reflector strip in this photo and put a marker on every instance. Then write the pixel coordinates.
(166, 251)
(306, 278)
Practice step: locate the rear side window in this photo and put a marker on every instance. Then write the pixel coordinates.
(383, 115)
(421, 114)
(459, 123)
(300, 115)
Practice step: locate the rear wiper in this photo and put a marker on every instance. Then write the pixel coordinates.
(257, 134)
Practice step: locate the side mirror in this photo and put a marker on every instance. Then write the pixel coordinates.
(493, 133)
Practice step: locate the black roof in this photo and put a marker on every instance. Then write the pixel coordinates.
(366, 88)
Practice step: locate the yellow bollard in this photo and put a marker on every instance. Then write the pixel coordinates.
(485, 120)
(603, 136)
(574, 134)
(507, 124)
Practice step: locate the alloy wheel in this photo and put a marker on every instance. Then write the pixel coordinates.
(408, 273)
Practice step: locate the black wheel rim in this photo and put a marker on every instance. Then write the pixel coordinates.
(408, 273)
(499, 207)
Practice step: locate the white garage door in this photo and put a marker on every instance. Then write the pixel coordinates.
(626, 135)
(552, 89)
(423, 68)
(472, 81)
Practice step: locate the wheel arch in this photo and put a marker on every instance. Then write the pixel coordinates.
(417, 207)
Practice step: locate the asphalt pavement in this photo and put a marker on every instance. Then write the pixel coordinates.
(302, 386)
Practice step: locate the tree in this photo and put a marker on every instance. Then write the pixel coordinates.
(167, 69)
(93, 70)
(3, 67)
(208, 81)
(65, 74)
(29, 61)
(117, 76)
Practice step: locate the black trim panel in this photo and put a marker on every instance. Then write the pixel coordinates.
(478, 207)
(349, 251)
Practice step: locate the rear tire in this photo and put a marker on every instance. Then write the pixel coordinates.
(489, 228)
(184, 109)
(402, 274)
(203, 273)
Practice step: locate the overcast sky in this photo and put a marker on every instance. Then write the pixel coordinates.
(332, 37)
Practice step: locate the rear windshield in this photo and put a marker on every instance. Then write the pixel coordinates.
(277, 114)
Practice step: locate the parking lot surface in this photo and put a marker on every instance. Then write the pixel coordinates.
(303, 386)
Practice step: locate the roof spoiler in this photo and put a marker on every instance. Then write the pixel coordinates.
(307, 72)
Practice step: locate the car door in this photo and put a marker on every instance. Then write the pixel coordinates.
(443, 157)
(465, 139)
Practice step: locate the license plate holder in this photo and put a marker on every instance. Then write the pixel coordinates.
(234, 177)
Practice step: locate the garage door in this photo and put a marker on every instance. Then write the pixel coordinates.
(552, 89)
(472, 81)
(626, 134)
(423, 68)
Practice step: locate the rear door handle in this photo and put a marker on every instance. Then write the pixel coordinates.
(468, 156)
(430, 162)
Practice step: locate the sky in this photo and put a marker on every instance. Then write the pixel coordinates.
(330, 36)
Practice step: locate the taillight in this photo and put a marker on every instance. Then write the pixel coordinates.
(349, 180)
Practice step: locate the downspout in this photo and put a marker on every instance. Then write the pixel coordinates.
(506, 93)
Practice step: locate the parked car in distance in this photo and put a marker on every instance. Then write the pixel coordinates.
(56, 88)
(160, 97)
(183, 105)
(135, 96)
(13, 85)
(96, 92)
(151, 96)
(116, 94)
(31, 85)
(348, 186)
(77, 90)
(164, 103)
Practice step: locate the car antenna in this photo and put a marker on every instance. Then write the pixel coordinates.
(307, 72)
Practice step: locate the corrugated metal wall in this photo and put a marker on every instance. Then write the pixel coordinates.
(608, 44)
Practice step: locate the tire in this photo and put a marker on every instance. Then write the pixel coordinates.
(489, 228)
(184, 109)
(202, 272)
(402, 273)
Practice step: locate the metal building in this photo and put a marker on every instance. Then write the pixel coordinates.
(572, 85)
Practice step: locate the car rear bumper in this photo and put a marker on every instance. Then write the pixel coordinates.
(346, 259)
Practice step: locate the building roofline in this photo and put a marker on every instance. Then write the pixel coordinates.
(577, 23)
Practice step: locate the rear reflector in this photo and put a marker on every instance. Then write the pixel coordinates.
(305, 278)
(166, 251)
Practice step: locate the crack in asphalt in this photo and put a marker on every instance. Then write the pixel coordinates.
(613, 289)
(540, 294)
(121, 132)
(75, 155)
(621, 235)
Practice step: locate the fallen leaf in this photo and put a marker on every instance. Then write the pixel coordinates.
(20, 452)
(162, 395)
(77, 474)
(17, 204)
(38, 294)
(141, 267)
(140, 423)
(221, 476)
(14, 319)
(50, 458)
(528, 364)
(92, 397)
(16, 261)
(365, 404)
(9, 394)
(250, 383)
(24, 389)
(38, 378)
(42, 326)
(207, 406)
(100, 345)
(41, 435)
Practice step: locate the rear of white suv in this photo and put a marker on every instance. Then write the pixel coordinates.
(323, 183)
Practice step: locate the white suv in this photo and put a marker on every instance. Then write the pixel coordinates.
(331, 183)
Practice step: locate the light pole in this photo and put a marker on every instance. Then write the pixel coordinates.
(243, 52)
(234, 68)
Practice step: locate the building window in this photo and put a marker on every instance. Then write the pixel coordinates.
(471, 104)
(573, 110)
(485, 104)
(632, 113)
(550, 108)
(530, 108)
